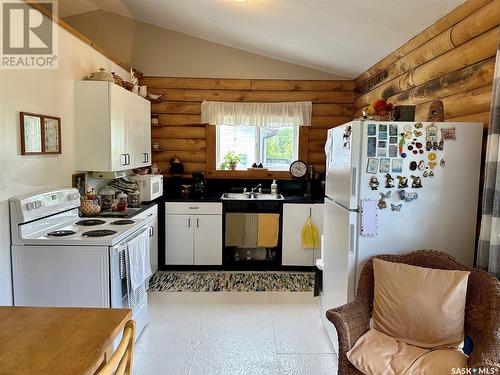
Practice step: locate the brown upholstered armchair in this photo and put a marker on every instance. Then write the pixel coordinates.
(482, 309)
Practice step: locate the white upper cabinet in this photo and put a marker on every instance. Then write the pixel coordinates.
(113, 128)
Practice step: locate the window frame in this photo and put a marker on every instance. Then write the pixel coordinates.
(211, 158)
(259, 147)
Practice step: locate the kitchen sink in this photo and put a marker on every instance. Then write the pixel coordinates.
(249, 196)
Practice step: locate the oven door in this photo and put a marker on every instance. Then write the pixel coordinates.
(118, 285)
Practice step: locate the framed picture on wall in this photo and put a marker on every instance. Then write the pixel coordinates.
(40, 134)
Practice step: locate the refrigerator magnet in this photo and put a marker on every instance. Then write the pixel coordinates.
(389, 183)
(381, 202)
(382, 144)
(396, 207)
(372, 129)
(372, 166)
(393, 140)
(368, 217)
(402, 182)
(393, 129)
(373, 183)
(393, 151)
(397, 166)
(385, 165)
(382, 136)
(448, 133)
(372, 147)
(417, 182)
(382, 152)
(382, 128)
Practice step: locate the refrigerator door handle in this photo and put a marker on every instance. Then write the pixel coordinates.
(353, 180)
(352, 233)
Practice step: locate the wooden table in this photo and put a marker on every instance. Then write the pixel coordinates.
(53, 340)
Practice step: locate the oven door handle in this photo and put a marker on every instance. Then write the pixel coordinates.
(123, 245)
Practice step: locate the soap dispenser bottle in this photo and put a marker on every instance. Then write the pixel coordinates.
(274, 188)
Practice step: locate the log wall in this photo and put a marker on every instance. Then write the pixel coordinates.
(452, 60)
(181, 134)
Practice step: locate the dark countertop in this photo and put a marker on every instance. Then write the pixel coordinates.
(288, 199)
(128, 213)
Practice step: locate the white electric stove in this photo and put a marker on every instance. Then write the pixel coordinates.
(61, 259)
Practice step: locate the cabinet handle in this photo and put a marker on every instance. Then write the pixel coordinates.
(197, 223)
(151, 231)
(128, 159)
(193, 207)
(189, 223)
(124, 159)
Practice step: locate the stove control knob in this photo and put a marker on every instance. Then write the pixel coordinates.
(30, 206)
(38, 204)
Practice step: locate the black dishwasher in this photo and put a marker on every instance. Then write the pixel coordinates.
(241, 257)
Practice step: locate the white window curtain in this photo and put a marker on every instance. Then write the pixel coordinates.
(256, 114)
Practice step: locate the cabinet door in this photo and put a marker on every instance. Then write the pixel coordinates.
(119, 128)
(153, 251)
(179, 239)
(294, 218)
(318, 217)
(145, 122)
(208, 239)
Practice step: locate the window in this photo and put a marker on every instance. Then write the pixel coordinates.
(275, 148)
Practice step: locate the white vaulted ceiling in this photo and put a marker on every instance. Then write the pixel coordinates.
(344, 37)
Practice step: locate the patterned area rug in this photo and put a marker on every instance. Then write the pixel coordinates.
(163, 281)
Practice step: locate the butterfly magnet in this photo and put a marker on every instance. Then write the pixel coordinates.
(396, 207)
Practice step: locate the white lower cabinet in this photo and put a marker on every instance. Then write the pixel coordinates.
(193, 233)
(208, 240)
(294, 217)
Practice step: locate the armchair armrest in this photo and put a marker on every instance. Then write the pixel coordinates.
(351, 321)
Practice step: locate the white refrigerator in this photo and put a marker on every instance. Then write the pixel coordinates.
(394, 187)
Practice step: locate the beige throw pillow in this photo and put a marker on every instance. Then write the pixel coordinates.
(424, 307)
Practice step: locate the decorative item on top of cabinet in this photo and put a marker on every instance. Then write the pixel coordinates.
(101, 75)
(40, 134)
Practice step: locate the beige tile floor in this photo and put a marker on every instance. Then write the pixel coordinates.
(234, 333)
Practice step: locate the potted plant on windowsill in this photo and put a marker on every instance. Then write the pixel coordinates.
(231, 160)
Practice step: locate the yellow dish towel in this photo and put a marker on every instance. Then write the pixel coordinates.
(268, 230)
(310, 235)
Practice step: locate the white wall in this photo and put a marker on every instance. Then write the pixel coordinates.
(156, 51)
(47, 92)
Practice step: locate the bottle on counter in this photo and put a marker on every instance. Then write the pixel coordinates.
(274, 188)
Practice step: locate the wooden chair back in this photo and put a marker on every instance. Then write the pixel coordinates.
(120, 362)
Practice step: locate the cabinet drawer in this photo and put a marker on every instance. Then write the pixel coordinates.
(193, 208)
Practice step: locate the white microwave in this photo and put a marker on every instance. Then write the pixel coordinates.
(150, 186)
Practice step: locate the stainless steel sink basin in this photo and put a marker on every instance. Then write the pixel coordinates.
(249, 196)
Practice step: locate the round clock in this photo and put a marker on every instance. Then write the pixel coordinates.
(298, 169)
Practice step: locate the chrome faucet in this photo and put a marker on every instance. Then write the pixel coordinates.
(259, 186)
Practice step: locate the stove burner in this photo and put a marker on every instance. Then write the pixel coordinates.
(99, 233)
(122, 222)
(61, 233)
(90, 222)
